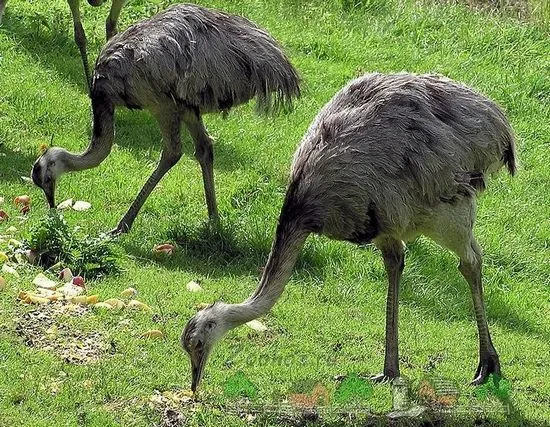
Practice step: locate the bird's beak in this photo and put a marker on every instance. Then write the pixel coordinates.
(197, 369)
(48, 187)
(49, 191)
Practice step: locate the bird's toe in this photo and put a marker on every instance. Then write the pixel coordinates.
(488, 365)
(381, 378)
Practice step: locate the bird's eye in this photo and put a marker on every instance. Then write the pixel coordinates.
(210, 325)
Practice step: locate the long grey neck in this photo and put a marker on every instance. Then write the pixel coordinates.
(102, 138)
(284, 253)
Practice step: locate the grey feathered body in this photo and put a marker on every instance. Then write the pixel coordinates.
(388, 158)
(389, 149)
(197, 57)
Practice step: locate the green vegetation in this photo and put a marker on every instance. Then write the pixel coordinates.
(54, 242)
(330, 320)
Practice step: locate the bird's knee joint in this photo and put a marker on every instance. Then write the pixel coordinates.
(468, 266)
(204, 153)
(172, 157)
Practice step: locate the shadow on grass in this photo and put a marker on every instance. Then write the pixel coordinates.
(456, 303)
(220, 252)
(52, 44)
(232, 250)
(140, 131)
(14, 164)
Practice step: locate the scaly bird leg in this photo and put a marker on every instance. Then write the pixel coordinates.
(169, 122)
(80, 39)
(205, 155)
(470, 267)
(394, 262)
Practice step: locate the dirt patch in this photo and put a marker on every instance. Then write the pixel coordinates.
(169, 404)
(44, 328)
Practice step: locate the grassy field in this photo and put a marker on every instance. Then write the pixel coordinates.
(330, 320)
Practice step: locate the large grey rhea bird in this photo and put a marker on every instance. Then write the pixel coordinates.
(390, 157)
(79, 33)
(179, 65)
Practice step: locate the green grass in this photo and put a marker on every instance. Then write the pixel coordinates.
(330, 319)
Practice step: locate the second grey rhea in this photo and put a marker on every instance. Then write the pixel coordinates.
(179, 64)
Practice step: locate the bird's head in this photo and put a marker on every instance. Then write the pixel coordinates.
(45, 171)
(200, 335)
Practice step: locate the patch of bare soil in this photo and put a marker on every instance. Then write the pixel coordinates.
(44, 328)
(170, 404)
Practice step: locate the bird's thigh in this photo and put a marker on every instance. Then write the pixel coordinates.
(450, 225)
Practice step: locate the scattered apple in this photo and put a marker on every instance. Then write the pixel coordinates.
(115, 303)
(193, 286)
(92, 299)
(81, 205)
(256, 325)
(103, 305)
(20, 257)
(15, 243)
(128, 293)
(66, 275)
(65, 204)
(56, 296)
(81, 299)
(42, 281)
(10, 270)
(23, 200)
(201, 306)
(43, 292)
(154, 333)
(3, 257)
(70, 290)
(31, 298)
(25, 210)
(3, 216)
(138, 305)
(78, 281)
(165, 248)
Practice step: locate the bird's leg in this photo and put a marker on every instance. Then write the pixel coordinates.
(112, 19)
(170, 129)
(470, 267)
(394, 262)
(205, 155)
(80, 39)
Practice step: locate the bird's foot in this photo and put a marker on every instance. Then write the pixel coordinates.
(121, 228)
(383, 378)
(214, 223)
(488, 364)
